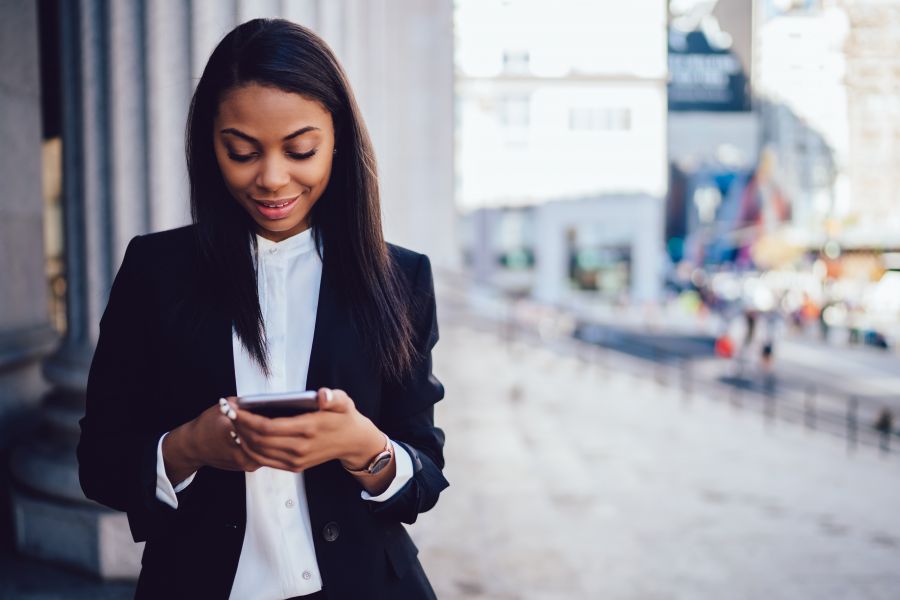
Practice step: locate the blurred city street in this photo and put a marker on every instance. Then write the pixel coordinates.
(593, 482)
(803, 364)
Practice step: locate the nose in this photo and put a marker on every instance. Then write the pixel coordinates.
(273, 174)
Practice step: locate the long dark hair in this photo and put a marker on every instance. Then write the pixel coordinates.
(346, 219)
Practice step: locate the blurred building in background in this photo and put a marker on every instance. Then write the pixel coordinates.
(561, 149)
(792, 173)
(105, 87)
(873, 111)
(802, 103)
(769, 127)
(713, 135)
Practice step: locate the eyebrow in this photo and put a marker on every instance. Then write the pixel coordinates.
(250, 138)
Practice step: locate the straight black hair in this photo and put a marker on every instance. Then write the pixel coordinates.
(346, 219)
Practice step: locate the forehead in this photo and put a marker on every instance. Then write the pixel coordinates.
(268, 109)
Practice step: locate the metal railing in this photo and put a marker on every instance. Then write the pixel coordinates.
(810, 407)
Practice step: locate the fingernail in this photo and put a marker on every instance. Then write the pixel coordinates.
(328, 396)
(231, 414)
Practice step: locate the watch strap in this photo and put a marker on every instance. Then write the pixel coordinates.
(379, 459)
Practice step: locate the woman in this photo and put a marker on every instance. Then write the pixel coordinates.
(282, 282)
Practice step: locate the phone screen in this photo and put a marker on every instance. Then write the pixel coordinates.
(279, 404)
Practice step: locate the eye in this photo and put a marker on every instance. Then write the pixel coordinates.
(303, 156)
(240, 157)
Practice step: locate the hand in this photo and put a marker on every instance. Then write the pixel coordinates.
(207, 441)
(337, 431)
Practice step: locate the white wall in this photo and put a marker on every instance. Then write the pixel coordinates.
(562, 99)
(616, 145)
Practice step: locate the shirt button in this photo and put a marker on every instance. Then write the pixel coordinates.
(273, 250)
(289, 503)
(307, 575)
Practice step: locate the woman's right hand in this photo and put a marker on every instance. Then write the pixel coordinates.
(204, 441)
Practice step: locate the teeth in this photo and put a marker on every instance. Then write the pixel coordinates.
(277, 205)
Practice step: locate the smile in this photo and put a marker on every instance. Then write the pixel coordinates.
(275, 203)
(275, 209)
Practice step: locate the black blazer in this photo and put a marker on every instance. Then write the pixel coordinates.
(164, 355)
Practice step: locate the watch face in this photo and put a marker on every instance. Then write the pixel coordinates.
(381, 462)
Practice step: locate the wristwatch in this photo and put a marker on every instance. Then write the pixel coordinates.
(381, 460)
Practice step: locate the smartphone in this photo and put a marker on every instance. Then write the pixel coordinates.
(280, 404)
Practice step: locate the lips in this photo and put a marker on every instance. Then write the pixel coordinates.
(275, 203)
(275, 209)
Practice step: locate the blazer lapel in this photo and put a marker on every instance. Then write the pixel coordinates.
(325, 335)
(338, 357)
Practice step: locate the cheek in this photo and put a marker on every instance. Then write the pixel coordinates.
(235, 176)
(312, 175)
(323, 173)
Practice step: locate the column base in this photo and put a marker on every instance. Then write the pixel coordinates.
(91, 539)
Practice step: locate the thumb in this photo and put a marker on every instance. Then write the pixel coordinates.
(333, 400)
(326, 399)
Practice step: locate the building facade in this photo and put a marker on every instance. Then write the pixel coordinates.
(555, 106)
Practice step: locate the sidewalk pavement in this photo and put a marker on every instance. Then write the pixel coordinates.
(593, 482)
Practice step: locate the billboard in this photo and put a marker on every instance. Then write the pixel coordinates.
(709, 55)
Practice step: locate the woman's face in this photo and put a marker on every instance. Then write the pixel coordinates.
(275, 150)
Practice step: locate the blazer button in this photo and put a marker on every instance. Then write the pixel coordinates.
(331, 532)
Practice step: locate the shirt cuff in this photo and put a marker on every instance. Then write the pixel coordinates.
(403, 474)
(164, 490)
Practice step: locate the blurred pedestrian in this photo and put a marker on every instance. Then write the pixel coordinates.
(750, 323)
(885, 421)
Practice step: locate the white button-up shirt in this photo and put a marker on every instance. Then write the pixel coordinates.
(278, 558)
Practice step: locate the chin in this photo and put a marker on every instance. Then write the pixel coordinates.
(280, 229)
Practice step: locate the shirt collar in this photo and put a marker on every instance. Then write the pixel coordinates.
(296, 244)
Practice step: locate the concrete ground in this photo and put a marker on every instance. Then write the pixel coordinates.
(597, 482)
(586, 481)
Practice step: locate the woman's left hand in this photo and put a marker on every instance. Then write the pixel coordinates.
(336, 431)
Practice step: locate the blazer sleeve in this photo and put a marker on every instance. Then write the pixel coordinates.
(408, 412)
(116, 452)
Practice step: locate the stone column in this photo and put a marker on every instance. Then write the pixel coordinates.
(399, 57)
(25, 331)
(105, 204)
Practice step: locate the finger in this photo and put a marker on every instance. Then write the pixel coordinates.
(334, 400)
(264, 460)
(228, 407)
(254, 422)
(286, 447)
(239, 457)
(283, 426)
(313, 458)
(287, 457)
